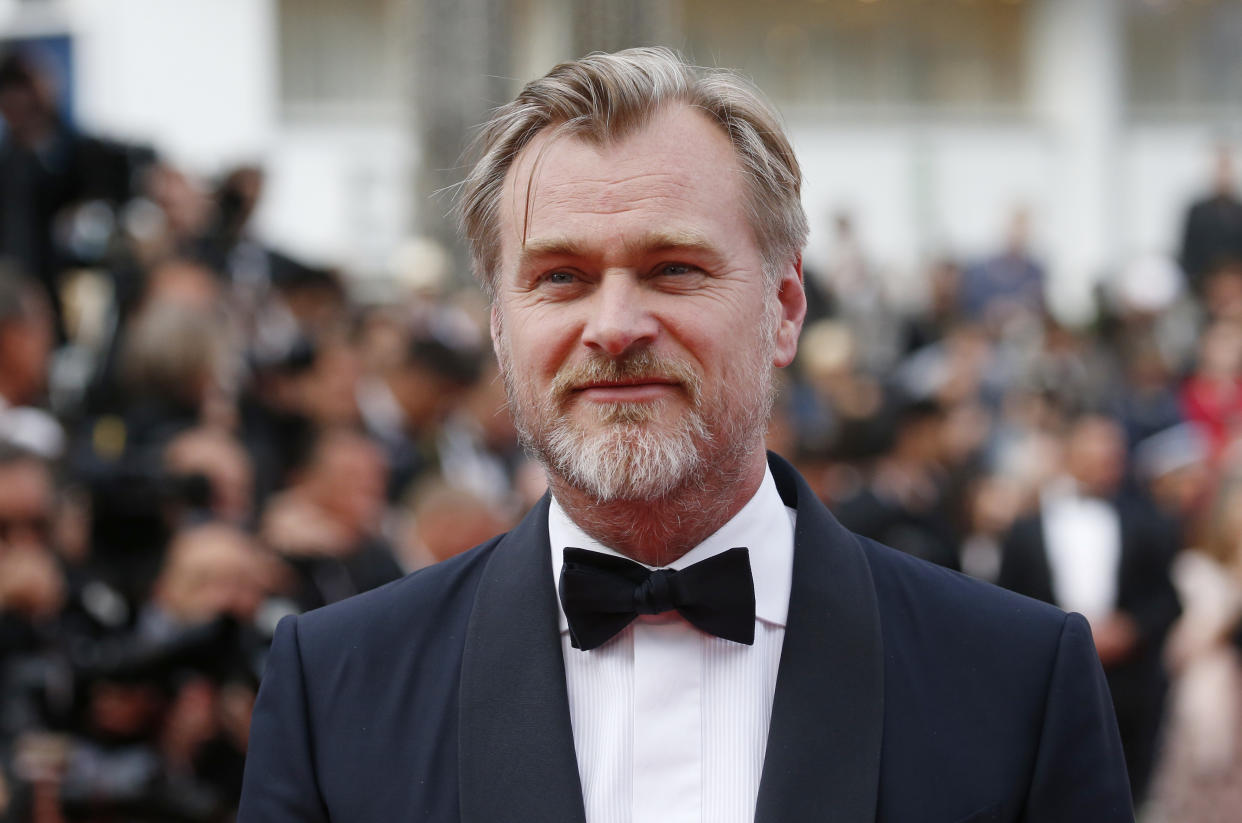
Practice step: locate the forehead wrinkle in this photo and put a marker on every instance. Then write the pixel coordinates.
(608, 195)
(542, 143)
(665, 177)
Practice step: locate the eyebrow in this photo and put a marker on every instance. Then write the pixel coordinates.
(653, 242)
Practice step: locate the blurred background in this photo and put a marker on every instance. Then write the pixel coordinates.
(244, 373)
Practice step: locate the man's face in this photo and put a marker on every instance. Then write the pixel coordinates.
(633, 324)
(347, 481)
(210, 573)
(25, 346)
(1096, 455)
(25, 506)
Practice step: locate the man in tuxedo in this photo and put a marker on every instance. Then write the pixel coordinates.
(722, 649)
(1092, 549)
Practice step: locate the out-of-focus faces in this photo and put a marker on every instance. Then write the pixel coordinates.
(1223, 172)
(347, 479)
(186, 206)
(224, 462)
(1220, 351)
(31, 582)
(185, 283)
(328, 393)
(25, 345)
(446, 521)
(211, 571)
(26, 505)
(1095, 455)
(1222, 293)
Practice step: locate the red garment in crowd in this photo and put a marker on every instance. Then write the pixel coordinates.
(1216, 406)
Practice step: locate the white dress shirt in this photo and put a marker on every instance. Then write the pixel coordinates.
(671, 724)
(1082, 538)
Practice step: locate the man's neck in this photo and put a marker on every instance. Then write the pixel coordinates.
(658, 532)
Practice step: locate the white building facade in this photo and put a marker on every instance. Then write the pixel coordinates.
(928, 120)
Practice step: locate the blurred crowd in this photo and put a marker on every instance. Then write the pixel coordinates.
(200, 435)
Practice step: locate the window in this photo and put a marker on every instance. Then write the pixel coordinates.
(337, 55)
(964, 54)
(1184, 55)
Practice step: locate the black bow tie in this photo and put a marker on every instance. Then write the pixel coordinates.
(602, 594)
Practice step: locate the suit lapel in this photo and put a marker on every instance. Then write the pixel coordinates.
(823, 754)
(516, 755)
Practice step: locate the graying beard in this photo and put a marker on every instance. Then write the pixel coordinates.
(627, 460)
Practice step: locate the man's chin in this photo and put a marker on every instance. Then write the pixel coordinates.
(641, 462)
(593, 418)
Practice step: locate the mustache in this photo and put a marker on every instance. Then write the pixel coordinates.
(639, 365)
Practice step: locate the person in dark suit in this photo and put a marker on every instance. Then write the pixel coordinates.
(1107, 555)
(46, 168)
(722, 649)
(1212, 230)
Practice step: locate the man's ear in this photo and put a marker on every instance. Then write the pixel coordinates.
(791, 311)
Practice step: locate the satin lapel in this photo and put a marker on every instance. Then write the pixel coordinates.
(517, 758)
(823, 755)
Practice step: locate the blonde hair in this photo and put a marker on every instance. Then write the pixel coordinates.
(605, 97)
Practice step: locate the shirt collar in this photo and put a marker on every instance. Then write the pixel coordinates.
(764, 526)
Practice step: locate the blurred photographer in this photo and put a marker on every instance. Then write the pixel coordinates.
(32, 595)
(150, 724)
(32, 584)
(47, 169)
(218, 458)
(328, 525)
(211, 571)
(26, 340)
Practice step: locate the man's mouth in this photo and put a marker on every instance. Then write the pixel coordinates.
(626, 390)
(641, 378)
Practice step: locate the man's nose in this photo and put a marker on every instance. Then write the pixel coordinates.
(620, 316)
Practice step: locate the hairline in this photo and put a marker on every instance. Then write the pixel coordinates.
(565, 129)
(723, 97)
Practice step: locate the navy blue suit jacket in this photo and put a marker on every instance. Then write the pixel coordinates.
(905, 692)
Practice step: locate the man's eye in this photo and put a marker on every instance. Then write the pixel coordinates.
(562, 278)
(676, 269)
